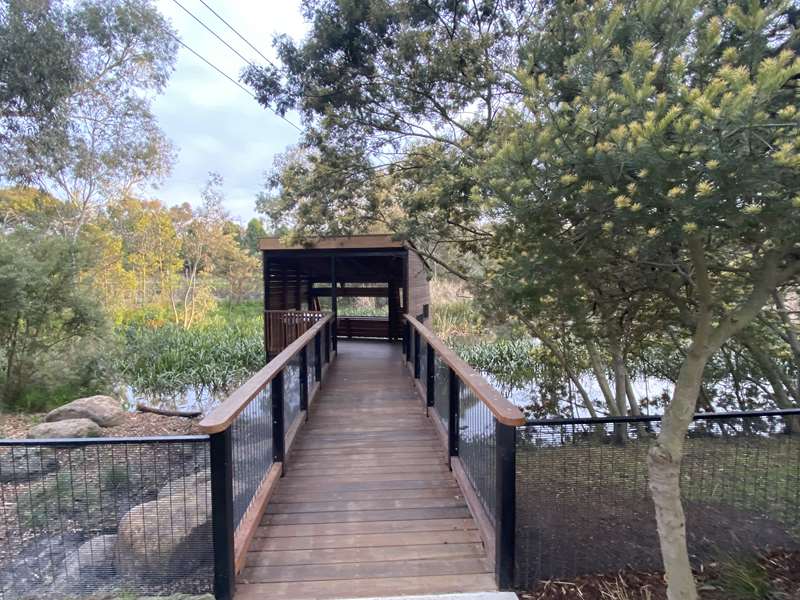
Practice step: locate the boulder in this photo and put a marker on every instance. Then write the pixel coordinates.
(69, 428)
(165, 537)
(103, 410)
(93, 557)
(26, 463)
(192, 486)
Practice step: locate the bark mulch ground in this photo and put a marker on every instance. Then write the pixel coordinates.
(16, 426)
(772, 576)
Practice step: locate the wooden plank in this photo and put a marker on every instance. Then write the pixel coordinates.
(367, 588)
(398, 514)
(360, 242)
(326, 556)
(450, 491)
(366, 540)
(404, 568)
(464, 524)
(358, 505)
(301, 486)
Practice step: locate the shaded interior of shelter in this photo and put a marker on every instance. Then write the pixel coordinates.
(318, 276)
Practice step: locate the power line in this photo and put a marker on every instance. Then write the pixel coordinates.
(232, 28)
(226, 76)
(214, 33)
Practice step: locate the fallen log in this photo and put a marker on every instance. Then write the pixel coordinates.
(166, 412)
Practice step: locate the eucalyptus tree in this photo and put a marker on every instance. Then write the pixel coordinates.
(101, 140)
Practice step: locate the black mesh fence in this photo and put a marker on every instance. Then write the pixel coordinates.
(311, 361)
(583, 504)
(441, 385)
(476, 446)
(291, 391)
(105, 516)
(251, 441)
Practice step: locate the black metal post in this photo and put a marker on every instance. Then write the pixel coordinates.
(278, 441)
(265, 275)
(304, 379)
(452, 420)
(222, 529)
(327, 342)
(405, 339)
(416, 353)
(334, 305)
(318, 356)
(430, 377)
(506, 494)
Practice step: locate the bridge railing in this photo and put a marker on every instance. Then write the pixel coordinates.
(559, 498)
(251, 433)
(478, 427)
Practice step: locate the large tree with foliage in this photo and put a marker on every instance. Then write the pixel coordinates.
(77, 122)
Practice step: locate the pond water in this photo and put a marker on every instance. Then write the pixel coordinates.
(198, 398)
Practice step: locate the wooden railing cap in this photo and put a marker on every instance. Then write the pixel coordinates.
(224, 414)
(503, 410)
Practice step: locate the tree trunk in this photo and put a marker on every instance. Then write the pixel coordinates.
(664, 468)
(602, 381)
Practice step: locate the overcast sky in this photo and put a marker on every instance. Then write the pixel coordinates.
(214, 125)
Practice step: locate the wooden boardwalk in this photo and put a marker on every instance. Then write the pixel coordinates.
(368, 506)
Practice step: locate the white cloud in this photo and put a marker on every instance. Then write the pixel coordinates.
(215, 125)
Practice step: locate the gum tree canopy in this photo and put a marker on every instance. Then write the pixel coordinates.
(627, 168)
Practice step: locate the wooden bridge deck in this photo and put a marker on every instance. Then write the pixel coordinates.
(368, 506)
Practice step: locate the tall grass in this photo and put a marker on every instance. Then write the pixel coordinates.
(216, 355)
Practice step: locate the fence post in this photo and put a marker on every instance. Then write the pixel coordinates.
(318, 356)
(327, 342)
(452, 420)
(278, 441)
(304, 379)
(406, 340)
(430, 377)
(506, 494)
(221, 450)
(416, 354)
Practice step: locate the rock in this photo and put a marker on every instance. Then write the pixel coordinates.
(194, 485)
(26, 463)
(69, 428)
(93, 557)
(165, 537)
(103, 410)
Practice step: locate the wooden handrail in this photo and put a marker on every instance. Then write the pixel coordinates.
(503, 410)
(223, 415)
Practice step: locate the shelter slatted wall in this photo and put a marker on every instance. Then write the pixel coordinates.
(418, 289)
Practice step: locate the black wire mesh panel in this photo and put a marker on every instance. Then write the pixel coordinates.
(441, 386)
(423, 363)
(476, 446)
(251, 439)
(82, 517)
(291, 391)
(583, 504)
(311, 360)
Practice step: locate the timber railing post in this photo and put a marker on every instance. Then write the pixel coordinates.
(278, 438)
(318, 356)
(452, 420)
(506, 495)
(222, 530)
(304, 380)
(416, 354)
